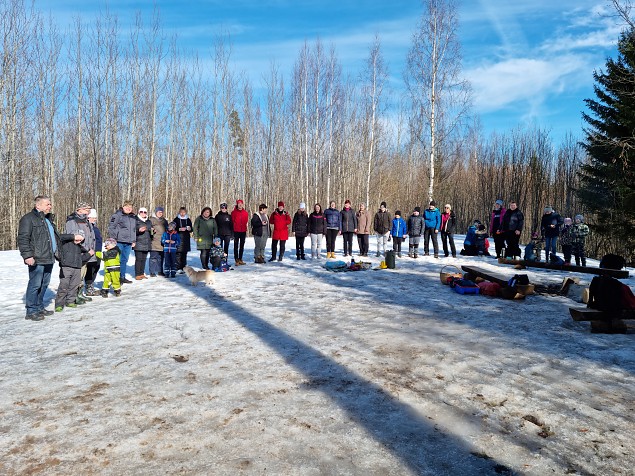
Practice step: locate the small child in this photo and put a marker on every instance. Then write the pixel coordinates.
(112, 263)
(398, 231)
(217, 254)
(170, 241)
(534, 249)
(566, 240)
(482, 244)
(579, 232)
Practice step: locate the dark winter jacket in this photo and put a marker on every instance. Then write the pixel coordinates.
(496, 221)
(280, 220)
(184, 229)
(513, 220)
(549, 219)
(481, 237)
(300, 225)
(432, 218)
(205, 230)
(34, 238)
(416, 225)
(448, 222)
(71, 254)
(260, 225)
(399, 228)
(224, 224)
(99, 241)
(240, 218)
(382, 222)
(349, 220)
(317, 223)
(144, 238)
(333, 218)
(160, 226)
(123, 227)
(566, 236)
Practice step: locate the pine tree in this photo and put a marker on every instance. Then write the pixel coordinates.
(608, 176)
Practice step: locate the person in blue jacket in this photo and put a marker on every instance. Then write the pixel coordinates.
(398, 231)
(432, 218)
(333, 228)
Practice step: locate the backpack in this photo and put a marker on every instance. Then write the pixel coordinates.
(612, 261)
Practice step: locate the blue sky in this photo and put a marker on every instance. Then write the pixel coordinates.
(529, 62)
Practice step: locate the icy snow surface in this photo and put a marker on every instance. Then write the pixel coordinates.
(291, 369)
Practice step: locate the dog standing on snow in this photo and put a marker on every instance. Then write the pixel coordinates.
(194, 276)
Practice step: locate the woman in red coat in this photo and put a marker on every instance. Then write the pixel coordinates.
(240, 217)
(280, 220)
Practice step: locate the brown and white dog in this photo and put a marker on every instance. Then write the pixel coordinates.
(195, 276)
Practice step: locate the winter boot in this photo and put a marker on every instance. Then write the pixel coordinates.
(117, 292)
(103, 293)
(411, 251)
(80, 300)
(302, 256)
(90, 290)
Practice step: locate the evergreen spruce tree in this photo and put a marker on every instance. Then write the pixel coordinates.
(608, 177)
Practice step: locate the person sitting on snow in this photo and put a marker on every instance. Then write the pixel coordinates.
(476, 243)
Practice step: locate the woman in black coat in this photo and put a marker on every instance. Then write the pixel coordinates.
(184, 228)
(448, 226)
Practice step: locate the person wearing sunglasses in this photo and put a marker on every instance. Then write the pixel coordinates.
(225, 226)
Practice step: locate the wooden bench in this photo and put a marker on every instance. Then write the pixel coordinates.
(603, 322)
(516, 292)
(614, 273)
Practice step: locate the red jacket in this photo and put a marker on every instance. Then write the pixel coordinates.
(240, 218)
(280, 222)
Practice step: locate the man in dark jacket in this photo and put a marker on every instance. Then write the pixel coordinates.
(38, 242)
(123, 228)
(513, 222)
(550, 226)
(381, 224)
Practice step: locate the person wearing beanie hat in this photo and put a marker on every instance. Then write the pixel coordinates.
(398, 231)
(171, 240)
(280, 220)
(496, 227)
(382, 223)
(448, 226)
(240, 219)
(416, 226)
(550, 225)
(364, 224)
(160, 226)
(92, 267)
(217, 255)
(566, 240)
(300, 228)
(579, 232)
(143, 245)
(349, 225)
(78, 224)
(112, 262)
(432, 218)
(184, 228)
(224, 224)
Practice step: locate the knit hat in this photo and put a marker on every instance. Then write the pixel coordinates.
(568, 221)
(93, 213)
(281, 204)
(433, 203)
(239, 201)
(159, 209)
(398, 212)
(223, 205)
(579, 217)
(216, 239)
(82, 205)
(477, 221)
(143, 209)
(418, 209)
(499, 202)
(171, 226)
(110, 242)
(302, 205)
(383, 204)
(347, 201)
(548, 209)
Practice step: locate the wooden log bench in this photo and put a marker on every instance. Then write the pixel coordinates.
(603, 322)
(517, 292)
(614, 273)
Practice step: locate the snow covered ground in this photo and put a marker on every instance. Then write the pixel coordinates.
(291, 369)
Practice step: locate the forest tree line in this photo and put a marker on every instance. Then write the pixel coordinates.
(94, 112)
